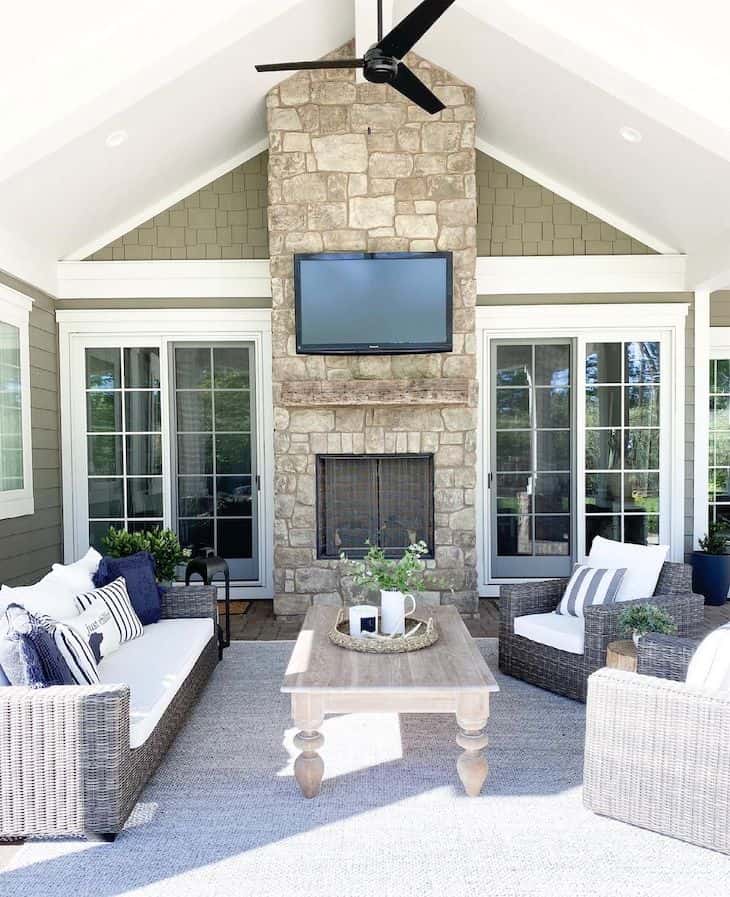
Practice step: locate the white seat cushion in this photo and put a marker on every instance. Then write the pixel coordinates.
(154, 667)
(643, 564)
(563, 632)
(710, 665)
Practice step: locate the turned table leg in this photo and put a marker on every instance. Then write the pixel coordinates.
(472, 766)
(309, 766)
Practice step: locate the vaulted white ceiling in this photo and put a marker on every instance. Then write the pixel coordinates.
(555, 83)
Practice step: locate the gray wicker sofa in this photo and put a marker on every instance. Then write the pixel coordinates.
(657, 750)
(567, 673)
(66, 765)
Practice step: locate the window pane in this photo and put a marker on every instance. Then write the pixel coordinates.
(144, 497)
(642, 406)
(230, 366)
(641, 530)
(552, 535)
(603, 449)
(552, 493)
(197, 534)
(195, 496)
(553, 450)
(603, 406)
(142, 368)
(105, 455)
(641, 449)
(641, 492)
(608, 527)
(9, 345)
(195, 454)
(552, 365)
(192, 368)
(514, 451)
(514, 365)
(232, 411)
(104, 412)
(106, 497)
(144, 455)
(642, 362)
(718, 484)
(514, 536)
(513, 408)
(720, 449)
(103, 368)
(233, 454)
(11, 414)
(721, 376)
(143, 412)
(194, 412)
(234, 496)
(603, 492)
(553, 407)
(603, 363)
(234, 538)
(97, 530)
(514, 493)
(720, 413)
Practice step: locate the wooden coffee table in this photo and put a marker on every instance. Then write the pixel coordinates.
(449, 677)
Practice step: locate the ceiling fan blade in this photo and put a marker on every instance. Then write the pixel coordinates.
(318, 64)
(411, 29)
(415, 90)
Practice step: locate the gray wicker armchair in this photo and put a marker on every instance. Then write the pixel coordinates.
(66, 766)
(567, 673)
(657, 750)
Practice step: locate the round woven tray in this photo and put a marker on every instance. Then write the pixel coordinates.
(426, 635)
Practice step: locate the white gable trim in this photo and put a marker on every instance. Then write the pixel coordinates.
(578, 199)
(169, 200)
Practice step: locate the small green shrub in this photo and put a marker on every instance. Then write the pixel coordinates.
(375, 571)
(162, 544)
(643, 618)
(715, 542)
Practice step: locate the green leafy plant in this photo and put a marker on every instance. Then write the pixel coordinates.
(715, 542)
(162, 544)
(376, 571)
(642, 618)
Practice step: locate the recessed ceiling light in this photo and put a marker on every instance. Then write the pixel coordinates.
(116, 138)
(630, 135)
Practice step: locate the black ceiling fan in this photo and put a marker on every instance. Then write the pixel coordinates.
(381, 64)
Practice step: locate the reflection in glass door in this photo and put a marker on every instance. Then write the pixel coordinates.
(215, 481)
(532, 459)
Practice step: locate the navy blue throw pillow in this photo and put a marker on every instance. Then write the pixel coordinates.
(139, 572)
(28, 652)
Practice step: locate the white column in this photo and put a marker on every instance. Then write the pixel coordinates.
(701, 411)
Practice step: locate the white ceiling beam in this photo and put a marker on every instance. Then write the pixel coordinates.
(709, 268)
(27, 263)
(366, 25)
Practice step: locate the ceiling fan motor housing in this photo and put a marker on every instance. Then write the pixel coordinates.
(379, 68)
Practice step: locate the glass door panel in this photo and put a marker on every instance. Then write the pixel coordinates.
(214, 453)
(532, 451)
(719, 461)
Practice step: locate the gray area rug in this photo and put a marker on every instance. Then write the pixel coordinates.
(223, 815)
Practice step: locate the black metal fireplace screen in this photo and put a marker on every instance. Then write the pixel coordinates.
(384, 499)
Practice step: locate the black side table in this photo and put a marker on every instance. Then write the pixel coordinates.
(207, 566)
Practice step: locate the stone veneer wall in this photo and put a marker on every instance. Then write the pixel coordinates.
(352, 166)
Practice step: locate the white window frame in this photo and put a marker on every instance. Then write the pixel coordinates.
(663, 321)
(79, 329)
(15, 310)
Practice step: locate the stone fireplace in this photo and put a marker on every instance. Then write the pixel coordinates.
(354, 167)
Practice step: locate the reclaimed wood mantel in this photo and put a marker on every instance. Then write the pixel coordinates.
(376, 392)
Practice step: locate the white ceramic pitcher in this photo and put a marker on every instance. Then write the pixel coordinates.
(393, 611)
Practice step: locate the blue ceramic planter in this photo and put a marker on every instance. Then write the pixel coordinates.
(711, 576)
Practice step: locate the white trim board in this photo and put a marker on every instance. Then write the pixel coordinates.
(703, 337)
(165, 202)
(578, 199)
(210, 279)
(161, 327)
(585, 322)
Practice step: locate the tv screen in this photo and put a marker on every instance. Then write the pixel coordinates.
(373, 303)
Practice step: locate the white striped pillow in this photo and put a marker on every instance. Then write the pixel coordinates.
(116, 597)
(589, 586)
(75, 650)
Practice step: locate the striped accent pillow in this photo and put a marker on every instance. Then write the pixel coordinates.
(75, 650)
(589, 586)
(116, 597)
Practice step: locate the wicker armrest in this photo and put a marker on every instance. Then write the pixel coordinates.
(63, 755)
(522, 598)
(665, 656)
(190, 601)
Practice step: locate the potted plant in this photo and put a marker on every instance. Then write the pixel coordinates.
(711, 566)
(162, 544)
(639, 619)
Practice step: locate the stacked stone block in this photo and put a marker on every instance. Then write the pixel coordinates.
(353, 166)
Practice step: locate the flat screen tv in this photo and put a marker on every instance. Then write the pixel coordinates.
(375, 303)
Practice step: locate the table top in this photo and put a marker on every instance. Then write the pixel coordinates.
(453, 663)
